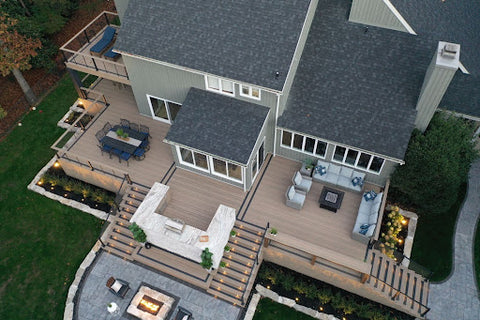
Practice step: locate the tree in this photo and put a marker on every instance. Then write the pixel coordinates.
(436, 164)
(15, 54)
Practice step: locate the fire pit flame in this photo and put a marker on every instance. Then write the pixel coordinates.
(150, 305)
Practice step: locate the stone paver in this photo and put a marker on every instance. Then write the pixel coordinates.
(457, 298)
(94, 295)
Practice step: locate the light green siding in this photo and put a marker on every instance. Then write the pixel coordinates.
(173, 84)
(292, 154)
(375, 13)
(298, 55)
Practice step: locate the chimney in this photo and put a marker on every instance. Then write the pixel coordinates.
(444, 64)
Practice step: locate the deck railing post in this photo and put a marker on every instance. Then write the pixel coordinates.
(127, 176)
(94, 64)
(86, 35)
(106, 18)
(90, 165)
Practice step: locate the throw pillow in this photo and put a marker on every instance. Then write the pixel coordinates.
(363, 231)
(291, 193)
(298, 178)
(321, 170)
(368, 196)
(365, 226)
(357, 181)
(116, 286)
(373, 193)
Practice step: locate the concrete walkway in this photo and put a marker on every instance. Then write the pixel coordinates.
(457, 298)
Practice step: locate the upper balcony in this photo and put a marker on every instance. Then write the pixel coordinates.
(77, 55)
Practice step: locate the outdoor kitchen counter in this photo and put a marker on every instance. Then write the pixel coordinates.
(187, 243)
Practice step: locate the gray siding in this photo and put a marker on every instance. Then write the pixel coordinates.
(172, 84)
(297, 56)
(121, 6)
(375, 13)
(378, 179)
(267, 133)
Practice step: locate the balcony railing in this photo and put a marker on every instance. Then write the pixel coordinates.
(76, 51)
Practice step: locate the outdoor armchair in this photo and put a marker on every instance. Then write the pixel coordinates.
(118, 287)
(295, 198)
(301, 182)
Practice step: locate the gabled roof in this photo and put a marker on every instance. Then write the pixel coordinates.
(244, 40)
(450, 20)
(358, 88)
(218, 125)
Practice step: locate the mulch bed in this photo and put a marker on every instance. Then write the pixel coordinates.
(11, 97)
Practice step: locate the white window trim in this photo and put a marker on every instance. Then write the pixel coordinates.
(356, 160)
(220, 86)
(169, 121)
(210, 159)
(188, 164)
(249, 95)
(210, 166)
(257, 158)
(303, 144)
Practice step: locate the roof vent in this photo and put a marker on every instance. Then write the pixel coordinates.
(449, 51)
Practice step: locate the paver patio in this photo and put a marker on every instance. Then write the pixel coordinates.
(93, 296)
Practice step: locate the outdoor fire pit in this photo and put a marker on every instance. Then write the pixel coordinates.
(150, 304)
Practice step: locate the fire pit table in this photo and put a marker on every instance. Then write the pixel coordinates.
(331, 199)
(150, 304)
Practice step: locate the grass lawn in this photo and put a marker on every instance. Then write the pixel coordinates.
(269, 310)
(476, 257)
(432, 246)
(42, 241)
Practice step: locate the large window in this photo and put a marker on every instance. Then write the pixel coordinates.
(250, 92)
(358, 159)
(162, 109)
(303, 144)
(220, 85)
(210, 164)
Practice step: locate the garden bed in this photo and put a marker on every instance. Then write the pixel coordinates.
(321, 296)
(55, 180)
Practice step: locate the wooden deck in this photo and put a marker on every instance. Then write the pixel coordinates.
(195, 199)
(158, 159)
(312, 224)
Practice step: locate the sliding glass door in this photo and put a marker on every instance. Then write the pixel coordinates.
(163, 110)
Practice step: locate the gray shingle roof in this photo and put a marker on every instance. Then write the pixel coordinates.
(218, 125)
(463, 94)
(245, 40)
(358, 88)
(450, 20)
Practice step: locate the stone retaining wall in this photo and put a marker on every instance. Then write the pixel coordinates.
(266, 293)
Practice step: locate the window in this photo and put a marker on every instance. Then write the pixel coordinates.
(162, 109)
(251, 92)
(193, 158)
(258, 161)
(220, 85)
(210, 164)
(303, 143)
(358, 159)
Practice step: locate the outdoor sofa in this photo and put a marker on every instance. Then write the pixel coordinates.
(338, 175)
(367, 218)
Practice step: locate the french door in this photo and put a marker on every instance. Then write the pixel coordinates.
(163, 110)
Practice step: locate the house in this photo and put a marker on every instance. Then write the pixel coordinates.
(295, 79)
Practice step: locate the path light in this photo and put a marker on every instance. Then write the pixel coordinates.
(297, 299)
(56, 164)
(268, 287)
(321, 308)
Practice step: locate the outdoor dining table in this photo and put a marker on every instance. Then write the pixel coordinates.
(117, 143)
(131, 133)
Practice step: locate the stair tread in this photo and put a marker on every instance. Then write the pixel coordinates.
(221, 295)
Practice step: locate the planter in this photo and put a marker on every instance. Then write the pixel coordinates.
(148, 245)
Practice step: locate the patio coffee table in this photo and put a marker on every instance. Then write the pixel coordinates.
(331, 199)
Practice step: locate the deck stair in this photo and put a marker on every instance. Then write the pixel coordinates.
(408, 289)
(120, 240)
(234, 282)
